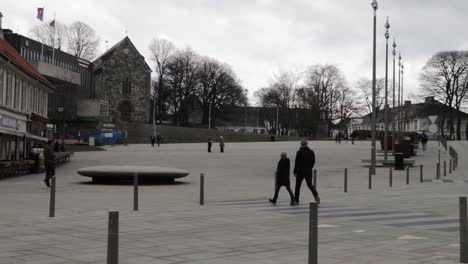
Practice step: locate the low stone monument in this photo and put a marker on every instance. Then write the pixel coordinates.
(126, 173)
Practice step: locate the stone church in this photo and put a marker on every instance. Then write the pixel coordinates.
(122, 78)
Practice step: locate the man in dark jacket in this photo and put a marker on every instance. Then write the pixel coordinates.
(305, 161)
(49, 162)
(153, 140)
(282, 178)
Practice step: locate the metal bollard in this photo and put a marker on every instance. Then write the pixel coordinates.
(391, 177)
(437, 171)
(313, 234)
(202, 189)
(315, 179)
(421, 176)
(450, 166)
(445, 168)
(407, 175)
(346, 180)
(463, 231)
(52, 197)
(370, 178)
(113, 238)
(135, 191)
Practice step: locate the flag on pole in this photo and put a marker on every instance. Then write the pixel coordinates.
(40, 13)
(52, 23)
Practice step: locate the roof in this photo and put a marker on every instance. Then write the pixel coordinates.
(11, 54)
(102, 59)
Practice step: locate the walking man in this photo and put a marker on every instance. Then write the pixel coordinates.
(153, 139)
(158, 139)
(424, 140)
(221, 144)
(282, 178)
(49, 162)
(210, 143)
(305, 161)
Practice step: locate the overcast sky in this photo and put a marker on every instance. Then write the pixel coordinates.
(260, 37)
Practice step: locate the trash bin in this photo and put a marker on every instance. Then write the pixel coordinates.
(399, 161)
(35, 169)
(272, 138)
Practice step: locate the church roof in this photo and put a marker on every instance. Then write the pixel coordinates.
(101, 60)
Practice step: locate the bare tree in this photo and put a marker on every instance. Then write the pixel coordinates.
(442, 77)
(162, 51)
(82, 40)
(50, 36)
(364, 86)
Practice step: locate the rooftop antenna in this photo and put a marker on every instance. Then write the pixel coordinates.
(107, 45)
(126, 31)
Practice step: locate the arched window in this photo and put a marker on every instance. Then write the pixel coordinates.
(126, 86)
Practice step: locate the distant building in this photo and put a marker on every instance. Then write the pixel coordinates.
(23, 103)
(417, 118)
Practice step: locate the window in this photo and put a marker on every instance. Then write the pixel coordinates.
(255, 131)
(1, 86)
(126, 86)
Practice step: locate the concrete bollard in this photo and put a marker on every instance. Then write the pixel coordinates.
(135, 191)
(407, 175)
(202, 189)
(463, 231)
(346, 180)
(450, 166)
(113, 238)
(370, 178)
(421, 175)
(445, 168)
(52, 197)
(391, 177)
(313, 234)
(315, 179)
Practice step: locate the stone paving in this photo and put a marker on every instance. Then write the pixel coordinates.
(415, 223)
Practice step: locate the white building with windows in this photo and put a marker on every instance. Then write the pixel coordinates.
(23, 103)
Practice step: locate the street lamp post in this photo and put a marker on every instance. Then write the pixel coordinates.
(403, 122)
(154, 116)
(60, 110)
(373, 132)
(387, 35)
(393, 109)
(245, 117)
(209, 116)
(277, 120)
(399, 96)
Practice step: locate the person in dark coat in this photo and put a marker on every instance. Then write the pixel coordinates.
(158, 140)
(282, 178)
(49, 162)
(221, 144)
(210, 143)
(305, 161)
(153, 140)
(424, 140)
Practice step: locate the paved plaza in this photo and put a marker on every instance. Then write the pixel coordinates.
(415, 223)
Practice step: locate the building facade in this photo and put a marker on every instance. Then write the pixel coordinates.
(23, 104)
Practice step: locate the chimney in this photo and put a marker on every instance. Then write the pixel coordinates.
(1, 29)
(429, 99)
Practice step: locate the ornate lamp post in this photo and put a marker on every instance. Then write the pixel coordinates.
(373, 132)
(60, 110)
(393, 109)
(387, 35)
(403, 110)
(399, 96)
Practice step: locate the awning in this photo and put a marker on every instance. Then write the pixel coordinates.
(12, 132)
(29, 135)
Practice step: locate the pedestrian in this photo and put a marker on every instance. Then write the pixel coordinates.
(153, 139)
(49, 162)
(282, 178)
(353, 136)
(221, 144)
(158, 140)
(424, 140)
(210, 143)
(305, 161)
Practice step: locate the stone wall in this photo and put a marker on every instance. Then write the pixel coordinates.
(126, 63)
